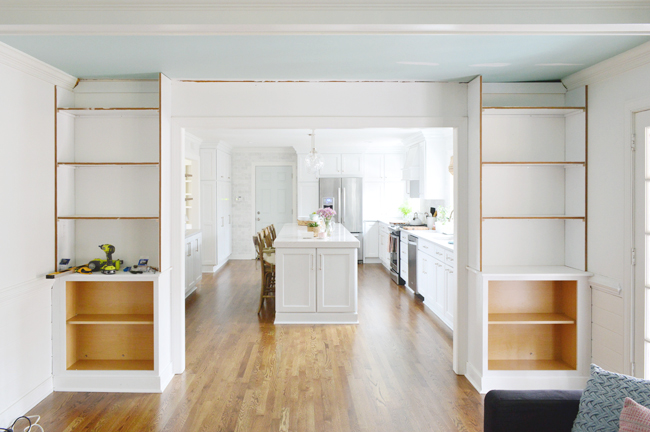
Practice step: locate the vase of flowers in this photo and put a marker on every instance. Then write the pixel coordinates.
(327, 214)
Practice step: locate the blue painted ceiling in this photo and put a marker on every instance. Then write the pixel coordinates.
(408, 58)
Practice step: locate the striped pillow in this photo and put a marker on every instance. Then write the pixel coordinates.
(634, 417)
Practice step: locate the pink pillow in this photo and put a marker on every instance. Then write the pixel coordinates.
(634, 417)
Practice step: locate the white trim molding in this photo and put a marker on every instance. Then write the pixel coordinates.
(606, 285)
(27, 402)
(25, 63)
(606, 69)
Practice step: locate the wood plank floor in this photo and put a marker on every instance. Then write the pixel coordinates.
(392, 372)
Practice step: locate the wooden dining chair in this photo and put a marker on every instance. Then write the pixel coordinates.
(268, 238)
(267, 264)
(274, 235)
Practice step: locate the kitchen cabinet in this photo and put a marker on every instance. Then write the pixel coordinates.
(296, 276)
(308, 193)
(384, 242)
(336, 280)
(404, 261)
(352, 165)
(371, 239)
(223, 165)
(193, 262)
(224, 221)
(450, 293)
(383, 166)
(436, 279)
(332, 165)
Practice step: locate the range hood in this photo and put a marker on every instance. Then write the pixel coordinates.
(411, 169)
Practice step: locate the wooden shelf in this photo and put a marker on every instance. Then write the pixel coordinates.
(529, 318)
(100, 319)
(104, 164)
(563, 217)
(549, 272)
(112, 365)
(110, 112)
(541, 163)
(532, 110)
(107, 217)
(510, 365)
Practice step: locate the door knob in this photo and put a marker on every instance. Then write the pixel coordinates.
(258, 219)
(258, 212)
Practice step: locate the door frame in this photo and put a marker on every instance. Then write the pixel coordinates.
(634, 358)
(461, 197)
(294, 193)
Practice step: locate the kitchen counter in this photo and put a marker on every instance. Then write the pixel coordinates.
(432, 236)
(191, 232)
(291, 237)
(315, 279)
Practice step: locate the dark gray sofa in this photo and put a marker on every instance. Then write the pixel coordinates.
(530, 410)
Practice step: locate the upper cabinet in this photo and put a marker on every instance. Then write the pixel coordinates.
(352, 165)
(332, 165)
(223, 166)
(379, 167)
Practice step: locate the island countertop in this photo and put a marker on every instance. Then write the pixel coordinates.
(291, 237)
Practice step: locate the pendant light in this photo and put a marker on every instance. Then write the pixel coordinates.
(314, 161)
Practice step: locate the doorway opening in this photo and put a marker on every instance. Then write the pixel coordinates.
(273, 196)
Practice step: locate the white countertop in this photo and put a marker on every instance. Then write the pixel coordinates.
(191, 232)
(290, 237)
(434, 237)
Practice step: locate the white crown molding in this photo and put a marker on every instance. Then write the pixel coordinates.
(283, 150)
(626, 29)
(299, 5)
(192, 139)
(25, 63)
(634, 58)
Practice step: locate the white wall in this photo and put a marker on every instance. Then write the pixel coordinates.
(243, 161)
(608, 224)
(27, 233)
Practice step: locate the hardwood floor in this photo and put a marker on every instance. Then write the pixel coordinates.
(392, 372)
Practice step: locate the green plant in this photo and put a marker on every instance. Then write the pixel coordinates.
(405, 209)
(313, 224)
(442, 215)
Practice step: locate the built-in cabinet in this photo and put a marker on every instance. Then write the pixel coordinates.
(437, 280)
(193, 262)
(112, 332)
(384, 243)
(216, 207)
(529, 299)
(342, 165)
(370, 240)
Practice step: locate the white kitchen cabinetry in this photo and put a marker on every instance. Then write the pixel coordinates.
(383, 188)
(352, 165)
(384, 243)
(336, 280)
(393, 165)
(308, 193)
(371, 239)
(216, 208)
(224, 165)
(295, 271)
(383, 166)
(193, 262)
(436, 279)
(332, 165)
(404, 261)
(450, 291)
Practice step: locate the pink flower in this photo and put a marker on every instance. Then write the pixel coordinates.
(326, 213)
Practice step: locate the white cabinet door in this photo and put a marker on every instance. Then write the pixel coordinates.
(394, 197)
(450, 295)
(189, 267)
(307, 198)
(209, 221)
(351, 165)
(404, 261)
(373, 193)
(336, 285)
(208, 169)
(393, 166)
(332, 165)
(440, 289)
(384, 256)
(295, 277)
(223, 192)
(371, 239)
(373, 167)
(228, 220)
(422, 278)
(196, 259)
(223, 166)
(304, 175)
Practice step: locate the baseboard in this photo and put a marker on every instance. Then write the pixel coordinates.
(103, 382)
(473, 376)
(371, 261)
(316, 318)
(189, 293)
(27, 402)
(166, 376)
(208, 268)
(242, 257)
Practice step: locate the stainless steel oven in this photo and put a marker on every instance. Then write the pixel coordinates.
(393, 249)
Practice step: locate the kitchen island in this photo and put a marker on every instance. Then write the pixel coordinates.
(316, 279)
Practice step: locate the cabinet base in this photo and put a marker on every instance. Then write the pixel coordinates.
(316, 318)
(113, 381)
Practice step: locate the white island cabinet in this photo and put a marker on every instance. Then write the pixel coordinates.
(316, 279)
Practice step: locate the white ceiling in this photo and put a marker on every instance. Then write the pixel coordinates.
(325, 138)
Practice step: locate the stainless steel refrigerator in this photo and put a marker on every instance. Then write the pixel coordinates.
(345, 196)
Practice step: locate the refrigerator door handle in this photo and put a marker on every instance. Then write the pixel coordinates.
(343, 208)
(339, 205)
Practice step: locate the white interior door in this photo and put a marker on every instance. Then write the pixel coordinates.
(641, 237)
(273, 196)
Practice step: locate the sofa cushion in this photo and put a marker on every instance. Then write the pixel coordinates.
(602, 400)
(634, 417)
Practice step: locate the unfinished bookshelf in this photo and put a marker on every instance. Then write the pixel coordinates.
(112, 332)
(530, 302)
